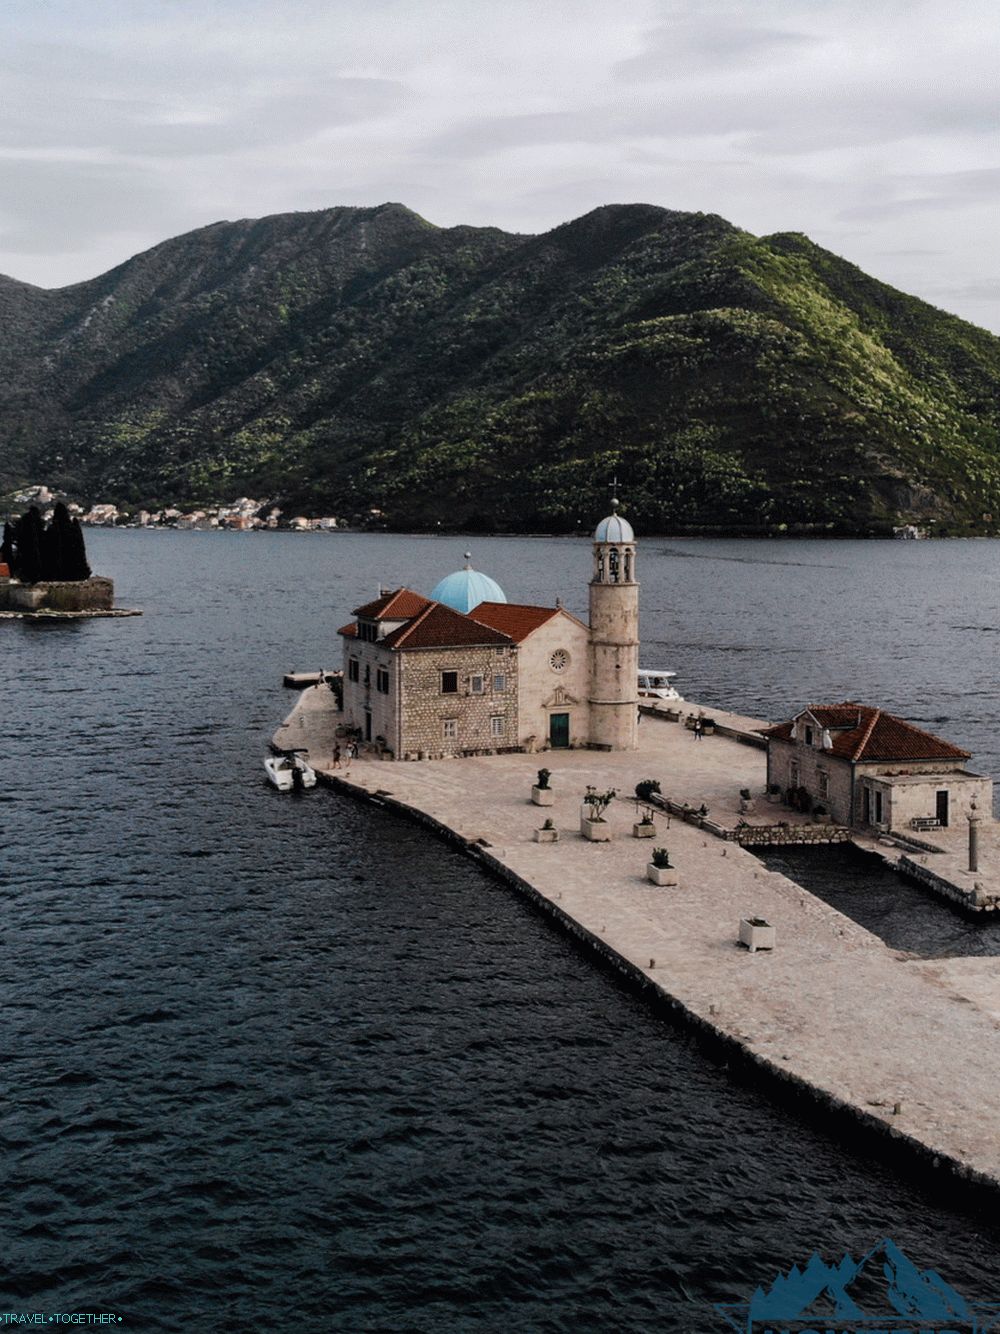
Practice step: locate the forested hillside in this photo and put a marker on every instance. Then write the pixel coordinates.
(362, 358)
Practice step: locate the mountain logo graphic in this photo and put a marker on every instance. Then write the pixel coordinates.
(882, 1293)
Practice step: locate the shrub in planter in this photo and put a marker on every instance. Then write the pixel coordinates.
(646, 788)
(541, 793)
(659, 871)
(543, 779)
(646, 827)
(547, 833)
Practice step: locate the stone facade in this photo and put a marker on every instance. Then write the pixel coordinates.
(427, 678)
(397, 699)
(94, 594)
(895, 801)
(827, 779)
(545, 689)
(927, 785)
(469, 721)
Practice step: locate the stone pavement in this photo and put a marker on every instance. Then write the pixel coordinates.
(832, 1006)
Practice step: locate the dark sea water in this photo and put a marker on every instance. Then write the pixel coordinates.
(278, 1062)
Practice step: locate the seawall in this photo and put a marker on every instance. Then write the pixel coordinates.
(905, 1047)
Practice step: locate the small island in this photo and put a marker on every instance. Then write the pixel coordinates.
(44, 570)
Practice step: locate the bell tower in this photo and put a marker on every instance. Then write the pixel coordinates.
(614, 636)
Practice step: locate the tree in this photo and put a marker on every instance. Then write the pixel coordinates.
(76, 553)
(7, 547)
(29, 546)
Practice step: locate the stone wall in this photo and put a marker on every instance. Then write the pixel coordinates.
(772, 835)
(424, 709)
(363, 694)
(794, 764)
(542, 691)
(94, 594)
(915, 795)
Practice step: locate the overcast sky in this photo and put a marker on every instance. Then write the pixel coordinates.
(872, 126)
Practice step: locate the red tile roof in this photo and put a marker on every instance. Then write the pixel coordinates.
(437, 626)
(863, 734)
(350, 630)
(512, 618)
(399, 605)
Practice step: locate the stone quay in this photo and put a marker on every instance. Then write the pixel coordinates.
(907, 1046)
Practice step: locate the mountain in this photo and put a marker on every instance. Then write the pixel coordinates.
(353, 359)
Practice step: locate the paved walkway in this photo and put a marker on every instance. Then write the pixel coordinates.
(832, 1005)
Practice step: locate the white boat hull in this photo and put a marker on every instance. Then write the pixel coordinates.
(287, 772)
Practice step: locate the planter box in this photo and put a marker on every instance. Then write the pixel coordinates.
(543, 796)
(708, 729)
(756, 934)
(640, 830)
(598, 831)
(747, 806)
(662, 875)
(774, 798)
(546, 836)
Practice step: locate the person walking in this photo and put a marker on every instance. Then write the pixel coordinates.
(697, 729)
(336, 756)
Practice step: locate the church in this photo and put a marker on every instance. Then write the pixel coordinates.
(465, 672)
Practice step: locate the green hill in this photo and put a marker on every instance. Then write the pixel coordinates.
(362, 358)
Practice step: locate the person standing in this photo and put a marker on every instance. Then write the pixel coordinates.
(697, 729)
(336, 756)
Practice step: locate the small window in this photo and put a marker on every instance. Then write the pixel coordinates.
(498, 725)
(449, 683)
(824, 782)
(809, 736)
(353, 670)
(368, 631)
(382, 681)
(499, 685)
(475, 685)
(449, 729)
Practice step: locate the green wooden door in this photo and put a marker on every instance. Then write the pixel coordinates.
(558, 730)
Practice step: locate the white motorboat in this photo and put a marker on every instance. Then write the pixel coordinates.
(656, 685)
(289, 772)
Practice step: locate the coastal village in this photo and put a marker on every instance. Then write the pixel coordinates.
(637, 834)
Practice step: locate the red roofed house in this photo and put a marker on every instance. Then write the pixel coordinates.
(870, 768)
(466, 672)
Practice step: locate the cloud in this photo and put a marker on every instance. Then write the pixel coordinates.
(868, 126)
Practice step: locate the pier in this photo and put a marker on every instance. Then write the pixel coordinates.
(908, 1046)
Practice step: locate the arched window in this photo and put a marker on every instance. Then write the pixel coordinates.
(614, 557)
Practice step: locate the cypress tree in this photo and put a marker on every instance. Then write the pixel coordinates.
(76, 552)
(59, 538)
(7, 547)
(29, 547)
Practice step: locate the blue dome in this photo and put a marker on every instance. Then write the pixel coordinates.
(614, 529)
(466, 588)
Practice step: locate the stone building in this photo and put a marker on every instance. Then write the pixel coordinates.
(871, 769)
(466, 672)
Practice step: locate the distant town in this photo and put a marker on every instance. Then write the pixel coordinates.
(243, 515)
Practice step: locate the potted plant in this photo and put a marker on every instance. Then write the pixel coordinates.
(746, 802)
(708, 726)
(659, 870)
(593, 825)
(773, 793)
(541, 793)
(547, 833)
(821, 815)
(646, 826)
(756, 934)
(646, 789)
